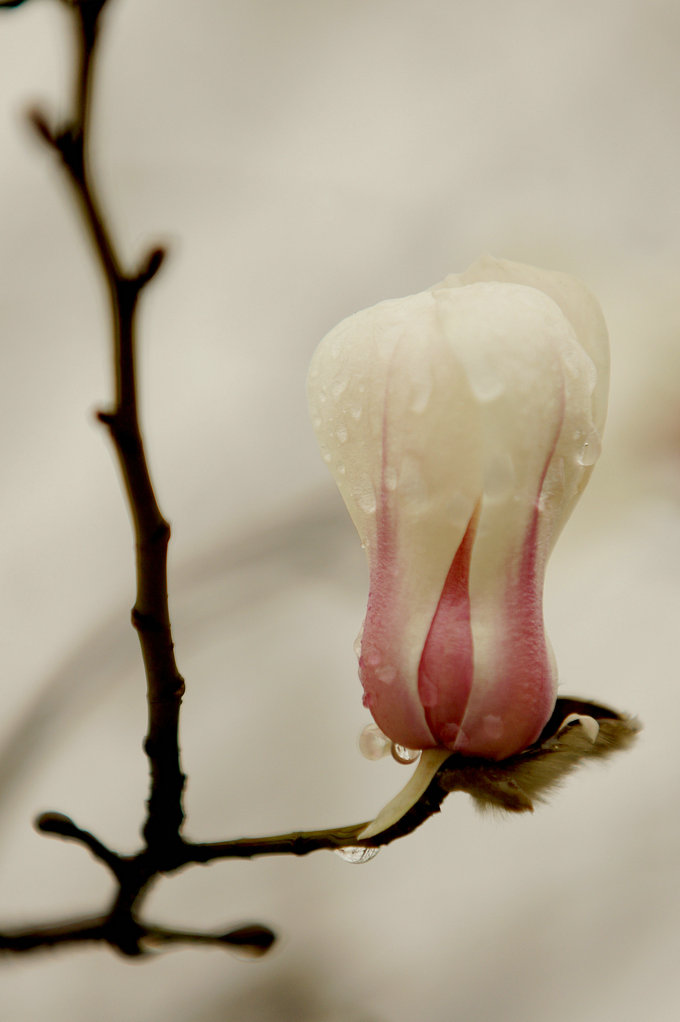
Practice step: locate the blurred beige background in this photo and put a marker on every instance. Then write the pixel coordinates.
(304, 160)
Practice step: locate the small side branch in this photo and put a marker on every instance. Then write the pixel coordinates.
(63, 826)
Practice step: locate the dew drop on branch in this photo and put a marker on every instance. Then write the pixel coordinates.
(356, 853)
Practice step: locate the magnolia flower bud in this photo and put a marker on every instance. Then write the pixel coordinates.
(461, 424)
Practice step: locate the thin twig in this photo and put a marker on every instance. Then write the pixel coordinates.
(63, 826)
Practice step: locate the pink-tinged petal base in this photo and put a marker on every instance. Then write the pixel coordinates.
(519, 695)
(519, 700)
(492, 717)
(393, 702)
(446, 669)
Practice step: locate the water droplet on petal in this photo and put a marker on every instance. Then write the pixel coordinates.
(403, 755)
(327, 457)
(485, 383)
(341, 434)
(591, 449)
(356, 854)
(339, 386)
(493, 726)
(390, 478)
(367, 502)
(373, 744)
(387, 673)
(357, 642)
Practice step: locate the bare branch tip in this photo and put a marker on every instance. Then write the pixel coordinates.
(56, 823)
(106, 418)
(151, 266)
(38, 121)
(254, 940)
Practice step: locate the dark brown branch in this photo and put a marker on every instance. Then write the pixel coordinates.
(70, 931)
(296, 843)
(132, 938)
(511, 785)
(150, 615)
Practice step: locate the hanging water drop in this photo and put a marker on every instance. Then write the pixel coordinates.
(403, 755)
(373, 744)
(356, 853)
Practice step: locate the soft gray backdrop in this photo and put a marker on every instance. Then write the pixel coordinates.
(303, 160)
